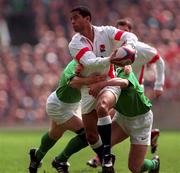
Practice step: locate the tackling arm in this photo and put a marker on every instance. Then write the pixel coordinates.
(95, 88)
(78, 82)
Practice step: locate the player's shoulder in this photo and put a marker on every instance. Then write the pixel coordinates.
(76, 40)
(104, 28)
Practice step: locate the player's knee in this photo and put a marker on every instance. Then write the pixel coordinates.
(102, 107)
(53, 134)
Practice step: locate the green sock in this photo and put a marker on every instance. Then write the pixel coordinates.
(46, 144)
(149, 165)
(74, 145)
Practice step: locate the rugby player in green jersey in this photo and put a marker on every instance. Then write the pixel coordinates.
(133, 119)
(63, 108)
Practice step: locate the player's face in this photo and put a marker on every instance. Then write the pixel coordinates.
(78, 21)
(123, 27)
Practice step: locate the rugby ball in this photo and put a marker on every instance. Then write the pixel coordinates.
(124, 56)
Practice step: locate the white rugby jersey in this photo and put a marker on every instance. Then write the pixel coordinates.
(147, 55)
(94, 56)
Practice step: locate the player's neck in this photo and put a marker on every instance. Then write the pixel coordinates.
(89, 33)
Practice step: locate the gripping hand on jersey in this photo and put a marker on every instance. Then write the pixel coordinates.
(94, 89)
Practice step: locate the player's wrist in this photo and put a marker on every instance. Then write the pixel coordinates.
(106, 60)
(158, 87)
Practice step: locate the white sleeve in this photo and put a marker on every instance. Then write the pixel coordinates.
(159, 74)
(86, 57)
(129, 39)
(121, 37)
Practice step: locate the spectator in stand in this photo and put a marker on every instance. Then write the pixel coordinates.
(4, 32)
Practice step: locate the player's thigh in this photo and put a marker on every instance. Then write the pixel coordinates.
(140, 128)
(62, 113)
(118, 134)
(90, 122)
(73, 124)
(136, 157)
(88, 102)
(56, 130)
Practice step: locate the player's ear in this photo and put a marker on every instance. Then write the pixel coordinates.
(88, 18)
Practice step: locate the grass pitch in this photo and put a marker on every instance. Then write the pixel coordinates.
(15, 144)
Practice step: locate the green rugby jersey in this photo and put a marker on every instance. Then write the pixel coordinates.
(132, 101)
(64, 92)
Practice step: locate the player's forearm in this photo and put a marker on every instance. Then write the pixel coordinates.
(160, 74)
(118, 82)
(90, 60)
(77, 82)
(114, 82)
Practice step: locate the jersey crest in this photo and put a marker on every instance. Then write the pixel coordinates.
(102, 48)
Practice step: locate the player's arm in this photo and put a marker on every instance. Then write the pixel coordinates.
(120, 37)
(95, 88)
(86, 57)
(159, 74)
(124, 41)
(160, 77)
(78, 82)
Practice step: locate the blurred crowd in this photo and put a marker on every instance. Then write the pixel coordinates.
(34, 36)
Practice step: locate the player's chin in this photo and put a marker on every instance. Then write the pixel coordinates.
(76, 29)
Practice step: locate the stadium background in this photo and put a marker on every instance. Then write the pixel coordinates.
(34, 35)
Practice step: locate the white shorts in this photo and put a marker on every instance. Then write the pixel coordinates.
(89, 102)
(59, 111)
(138, 127)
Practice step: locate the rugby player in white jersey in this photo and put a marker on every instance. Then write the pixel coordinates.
(91, 47)
(145, 55)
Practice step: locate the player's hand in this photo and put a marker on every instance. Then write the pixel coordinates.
(123, 56)
(113, 57)
(94, 89)
(113, 54)
(78, 70)
(153, 94)
(158, 93)
(127, 69)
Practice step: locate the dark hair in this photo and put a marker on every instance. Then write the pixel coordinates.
(84, 11)
(124, 22)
